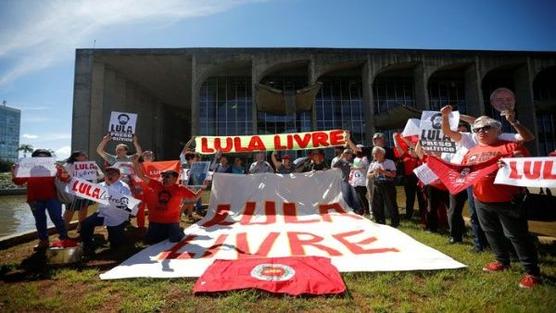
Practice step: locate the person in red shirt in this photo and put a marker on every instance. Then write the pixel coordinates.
(42, 197)
(499, 206)
(164, 200)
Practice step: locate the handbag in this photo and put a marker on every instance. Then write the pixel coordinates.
(541, 206)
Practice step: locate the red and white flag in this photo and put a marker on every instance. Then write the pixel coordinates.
(153, 169)
(458, 177)
(528, 172)
(295, 276)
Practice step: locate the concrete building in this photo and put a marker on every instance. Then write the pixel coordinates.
(214, 91)
(10, 120)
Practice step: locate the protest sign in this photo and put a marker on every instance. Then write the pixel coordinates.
(528, 172)
(502, 99)
(269, 215)
(255, 143)
(100, 194)
(425, 174)
(431, 136)
(122, 126)
(126, 168)
(87, 170)
(412, 128)
(198, 173)
(36, 167)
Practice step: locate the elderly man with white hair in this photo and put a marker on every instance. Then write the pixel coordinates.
(499, 206)
(382, 172)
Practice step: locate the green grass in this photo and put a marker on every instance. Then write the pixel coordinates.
(465, 290)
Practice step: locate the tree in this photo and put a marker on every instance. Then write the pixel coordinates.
(25, 148)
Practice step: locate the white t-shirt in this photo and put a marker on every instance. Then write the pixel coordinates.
(387, 165)
(358, 173)
(468, 141)
(113, 215)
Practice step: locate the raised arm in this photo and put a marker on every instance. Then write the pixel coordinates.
(523, 131)
(139, 169)
(137, 146)
(275, 160)
(454, 135)
(467, 118)
(350, 143)
(101, 145)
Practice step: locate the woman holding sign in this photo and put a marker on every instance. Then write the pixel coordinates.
(41, 194)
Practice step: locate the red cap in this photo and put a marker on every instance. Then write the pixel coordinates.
(285, 157)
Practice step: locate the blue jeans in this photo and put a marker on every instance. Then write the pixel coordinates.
(158, 232)
(54, 208)
(479, 239)
(116, 235)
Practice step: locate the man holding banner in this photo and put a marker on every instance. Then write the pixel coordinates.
(114, 214)
(499, 206)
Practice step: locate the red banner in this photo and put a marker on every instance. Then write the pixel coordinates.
(458, 177)
(290, 275)
(153, 169)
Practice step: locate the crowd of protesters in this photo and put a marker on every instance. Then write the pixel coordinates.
(369, 179)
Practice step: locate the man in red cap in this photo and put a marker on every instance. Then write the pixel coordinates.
(164, 200)
(284, 167)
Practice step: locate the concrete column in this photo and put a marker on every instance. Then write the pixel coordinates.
(525, 102)
(96, 130)
(194, 97)
(420, 85)
(473, 92)
(367, 80)
(81, 101)
(254, 80)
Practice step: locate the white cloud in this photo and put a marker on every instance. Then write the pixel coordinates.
(46, 137)
(29, 136)
(58, 27)
(63, 152)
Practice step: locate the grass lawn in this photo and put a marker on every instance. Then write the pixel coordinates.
(28, 285)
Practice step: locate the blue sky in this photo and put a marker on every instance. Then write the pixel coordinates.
(38, 38)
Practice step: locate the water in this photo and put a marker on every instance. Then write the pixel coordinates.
(15, 215)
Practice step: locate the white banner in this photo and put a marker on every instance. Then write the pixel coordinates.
(122, 125)
(101, 194)
(431, 136)
(271, 215)
(412, 128)
(87, 170)
(36, 167)
(528, 172)
(126, 168)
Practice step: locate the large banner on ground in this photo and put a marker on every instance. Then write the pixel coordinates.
(254, 143)
(528, 172)
(270, 215)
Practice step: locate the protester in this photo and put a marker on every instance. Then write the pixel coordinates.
(41, 197)
(348, 192)
(237, 166)
(499, 206)
(337, 155)
(358, 177)
(314, 162)
(148, 156)
(77, 204)
(383, 171)
(220, 164)
(121, 150)
(114, 215)
(164, 200)
(260, 165)
(410, 161)
(191, 207)
(465, 141)
(284, 167)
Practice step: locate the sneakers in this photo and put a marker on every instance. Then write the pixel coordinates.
(529, 281)
(495, 267)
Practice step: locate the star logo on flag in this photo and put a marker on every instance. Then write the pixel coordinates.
(272, 272)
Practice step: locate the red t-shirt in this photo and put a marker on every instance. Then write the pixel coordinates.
(164, 203)
(38, 188)
(409, 163)
(484, 189)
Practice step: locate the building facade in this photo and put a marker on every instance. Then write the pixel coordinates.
(10, 120)
(179, 93)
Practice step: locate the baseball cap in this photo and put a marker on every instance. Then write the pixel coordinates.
(112, 168)
(285, 157)
(378, 135)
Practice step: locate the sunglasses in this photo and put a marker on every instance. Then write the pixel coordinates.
(165, 175)
(483, 129)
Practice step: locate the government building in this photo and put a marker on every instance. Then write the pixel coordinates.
(10, 120)
(178, 93)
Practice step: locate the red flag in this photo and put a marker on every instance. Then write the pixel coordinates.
(458, 177)
(153, 169)
(290, 275)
